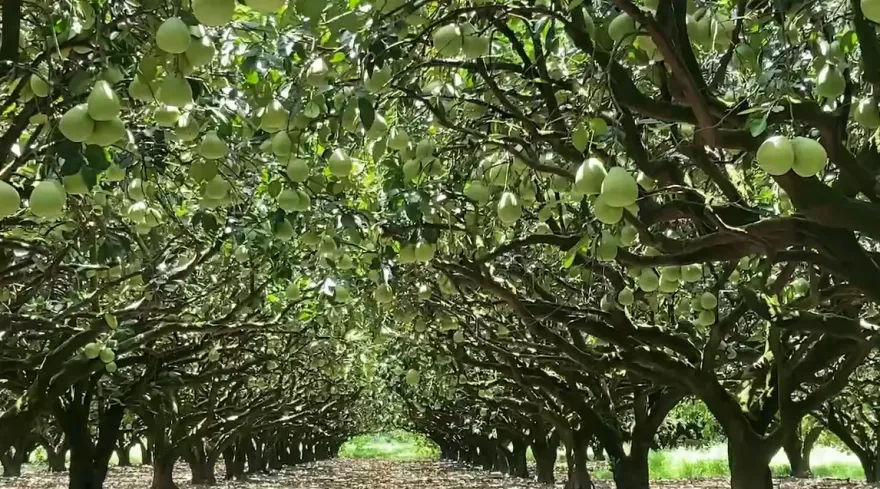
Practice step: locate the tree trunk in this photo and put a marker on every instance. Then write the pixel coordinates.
(124, 455)
(598, 451)
(12, 463)
(748, 468)
(163, 473)
(56, 457)
(501, 455)
(147, 452)
(631, 472)
(517, 462)
(545, 460)
(487, 455)
(578, 474)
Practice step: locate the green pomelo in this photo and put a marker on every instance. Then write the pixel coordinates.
(589, 176)
(775, 155)
(107, 132)
(166, 116)
(175, 91)
(173, 36)
(76, 125)
(212, 147)
(509, 209)
(298, 170)
(619, 188)
(448, 40)
(47, 199)
(10, 201)
(340, 163)
(810, 156)
(104, 104)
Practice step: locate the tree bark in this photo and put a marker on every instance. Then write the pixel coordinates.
(501, 455)
(163, 472)
(56, 457)
(123, 453)
(517, 462)
(545, 455)
(11, 462)
(798, 452)
(631, 471)
(748, 468)
(578, 473)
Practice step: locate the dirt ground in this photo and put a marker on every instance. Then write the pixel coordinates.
(370, 474)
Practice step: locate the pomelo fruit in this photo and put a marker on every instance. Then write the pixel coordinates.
(266, 6)
(605, 213)
(166, 116)
(810, 156)
(383, 294)
(284, 230)
(376, 82)
(407, 253)
(282, 145)
(628, 235)
(830, 82)
(477, 192)
(39, 86)
(775, 155)
(187, 127)
(424, 251)
(708, 300)
(448, 40)
(175, 91)
(646, 182)
(866, 112)
(288, 200)
(340, 163)
(200, 51)
(619, 188)
(317, 72)
(216, 188)
(648, 280)
(136, 189)
(92, 350)
(509, 209)
(107, 132)
(626, 297)
(103, 102)
(10, 201)
(111, 367)
(622, 28)
(47, 199)
(413, 377)
(298, 170)
(212, 147)
(213, 12)
(871, 10)
(589, 176)
(173, 36)
(706, 318)
(76, 125)
(398, 139)
(274, 117)
(107, 355)
(141, 90)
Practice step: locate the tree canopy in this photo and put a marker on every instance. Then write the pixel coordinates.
(253, 229)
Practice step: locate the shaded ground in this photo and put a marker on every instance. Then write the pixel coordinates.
(370, 474)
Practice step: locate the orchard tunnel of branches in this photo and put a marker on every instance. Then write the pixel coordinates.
(238, 232)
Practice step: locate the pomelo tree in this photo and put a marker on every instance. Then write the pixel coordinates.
(677, 194)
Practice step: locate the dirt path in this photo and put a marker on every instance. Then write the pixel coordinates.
(368, 474)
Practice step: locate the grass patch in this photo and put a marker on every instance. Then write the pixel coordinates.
(395, 445)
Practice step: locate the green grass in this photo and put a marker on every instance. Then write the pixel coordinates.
(711, 462)
(395, 445)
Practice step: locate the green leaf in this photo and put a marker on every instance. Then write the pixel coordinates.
(97, 157)
(365, 106)
(757, 126)
(275, 188)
